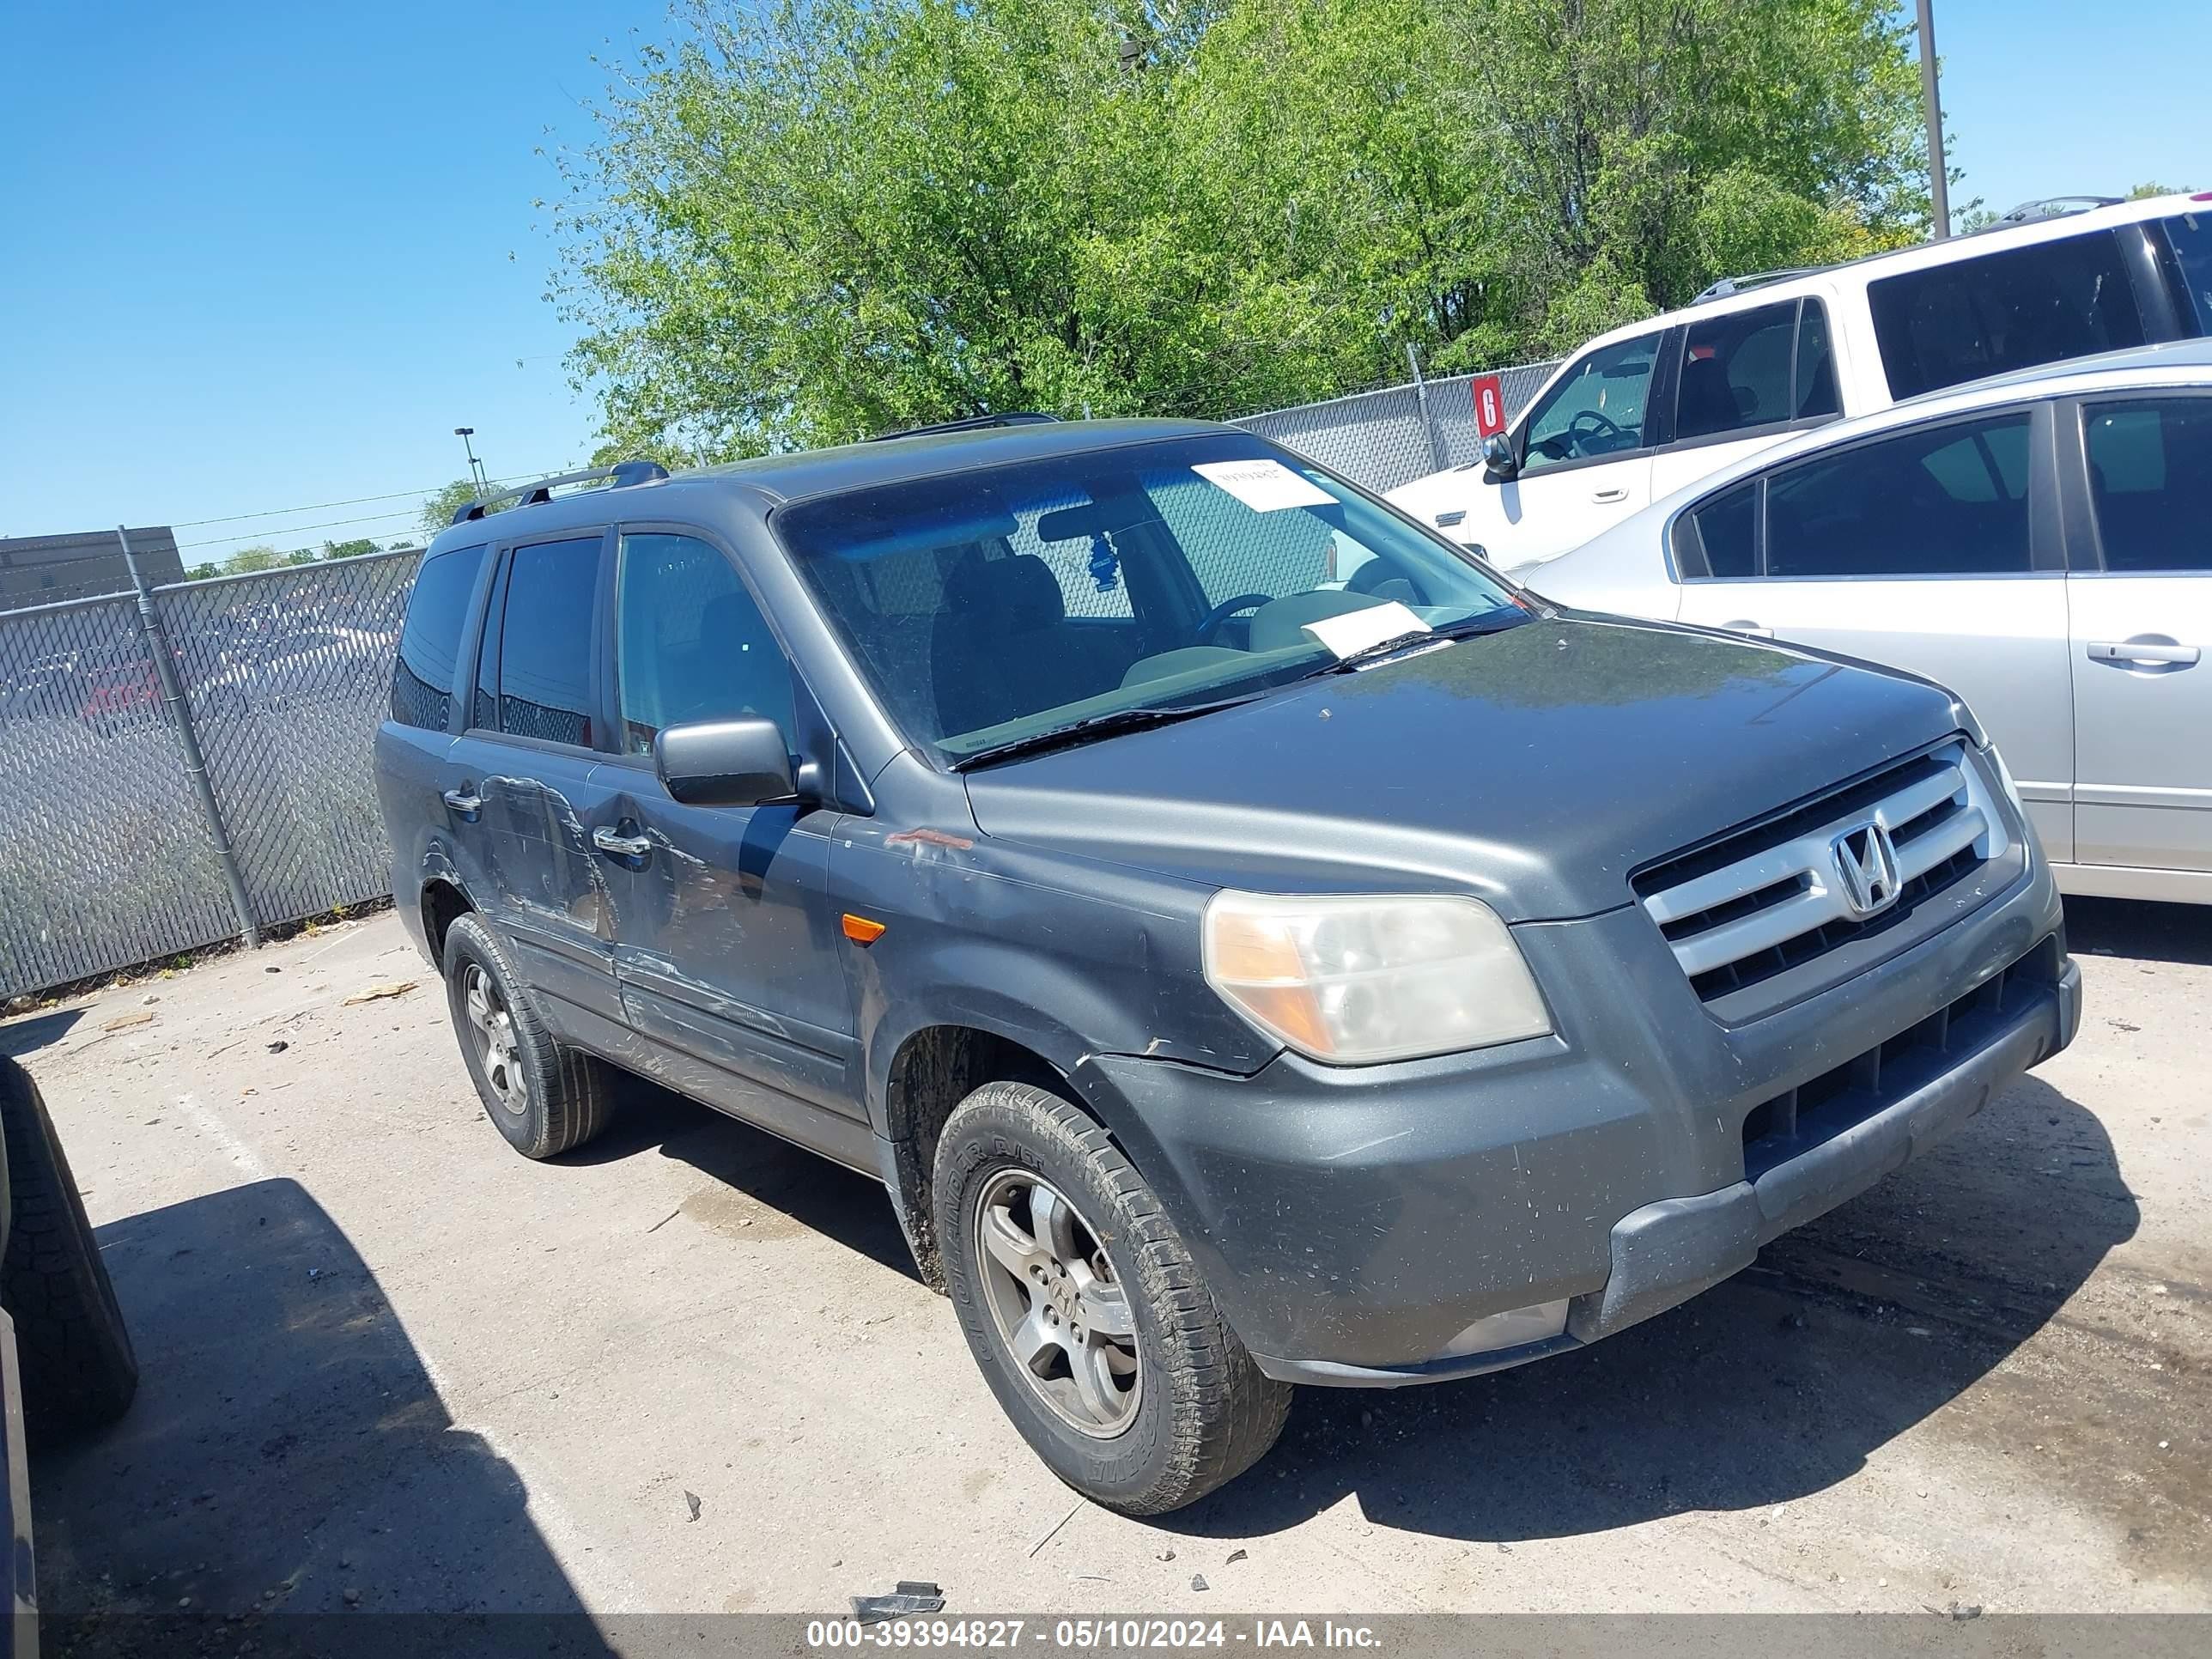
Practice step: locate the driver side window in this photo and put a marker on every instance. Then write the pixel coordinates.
(1596, 410)
(691, 645)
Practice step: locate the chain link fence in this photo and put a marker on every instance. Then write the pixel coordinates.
(111, 860)
(1389, 437)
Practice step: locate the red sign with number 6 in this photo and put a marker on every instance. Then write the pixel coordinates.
(1489, 404)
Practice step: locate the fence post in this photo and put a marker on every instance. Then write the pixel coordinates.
(1428, 421)
(188, 739)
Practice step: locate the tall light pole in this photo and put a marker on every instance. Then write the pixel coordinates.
(1939, 186)
(475, 466)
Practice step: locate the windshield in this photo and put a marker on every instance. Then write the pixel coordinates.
(989, 607)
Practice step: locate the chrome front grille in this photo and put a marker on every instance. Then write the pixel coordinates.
(1776, 895)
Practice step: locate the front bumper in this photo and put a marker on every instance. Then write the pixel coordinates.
(1352, 1222)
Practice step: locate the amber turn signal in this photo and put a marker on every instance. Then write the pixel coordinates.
(860, 930)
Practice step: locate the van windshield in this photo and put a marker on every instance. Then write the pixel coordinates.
(991, 606)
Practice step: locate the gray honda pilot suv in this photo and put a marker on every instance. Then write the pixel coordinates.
(1253, 943)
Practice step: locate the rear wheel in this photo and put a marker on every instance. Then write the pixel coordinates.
(1082, 1305)
(74, 1350)
(546, 1099)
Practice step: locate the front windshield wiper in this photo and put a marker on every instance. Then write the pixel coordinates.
(1418, 639)
(1096, 725)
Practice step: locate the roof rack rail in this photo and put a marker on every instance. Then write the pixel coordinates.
(973, 423)
(1733, 285)
(2057, 207)
(620, 476)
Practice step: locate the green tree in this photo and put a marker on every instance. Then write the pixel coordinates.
(811, 220)
(359, 546)
(203, 572)
(248, 560)
(2144, 192)
(438, 509)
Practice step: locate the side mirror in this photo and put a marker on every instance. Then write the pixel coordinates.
(1499, 460)
(741, 762)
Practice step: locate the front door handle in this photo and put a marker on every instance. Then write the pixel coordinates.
(610, 839)
(2145, 649)
(1745, 625)
(1618, 493)
(465, 802)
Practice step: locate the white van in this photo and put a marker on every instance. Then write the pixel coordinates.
(1647, 410)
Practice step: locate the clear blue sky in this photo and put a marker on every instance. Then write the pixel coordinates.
(257, 255)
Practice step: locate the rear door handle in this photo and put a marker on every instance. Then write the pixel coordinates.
(2143, 650)
(1618, 493)
(1745, 625)
(609, 839)
(464, 801)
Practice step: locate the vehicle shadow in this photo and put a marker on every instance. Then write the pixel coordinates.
(288, 1479)
(2137, 927)
(32, 1032)
(1775, 1385)
(812, 1192)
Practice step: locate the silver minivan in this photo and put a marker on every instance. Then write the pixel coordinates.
(2038, 543)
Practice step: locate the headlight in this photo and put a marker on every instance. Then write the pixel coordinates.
(1352, 981)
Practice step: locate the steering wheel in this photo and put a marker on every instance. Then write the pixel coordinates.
(1228, 608)
(1602, 425)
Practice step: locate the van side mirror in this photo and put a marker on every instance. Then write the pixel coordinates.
(741, 762)
(1499, 460)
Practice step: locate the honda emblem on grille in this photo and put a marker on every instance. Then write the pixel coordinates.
(1866, 869)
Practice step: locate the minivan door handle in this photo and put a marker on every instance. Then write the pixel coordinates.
(464, 801)
(1618, 493)
(609, 838)
(2145, 650)
(1745, 625)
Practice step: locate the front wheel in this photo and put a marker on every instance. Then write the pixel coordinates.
(1082, 1305)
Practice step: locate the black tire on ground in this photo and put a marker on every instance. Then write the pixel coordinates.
(71, 1346)
(566, 1094)
(1204, 1413)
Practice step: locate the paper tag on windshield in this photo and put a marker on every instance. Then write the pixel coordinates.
(1355, 630)
(1263, 485)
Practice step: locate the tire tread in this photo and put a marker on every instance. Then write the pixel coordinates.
(1225, 1412)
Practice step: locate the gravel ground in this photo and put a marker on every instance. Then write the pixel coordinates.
(390, 1366)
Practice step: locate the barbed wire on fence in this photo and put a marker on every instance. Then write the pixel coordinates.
(108, 862)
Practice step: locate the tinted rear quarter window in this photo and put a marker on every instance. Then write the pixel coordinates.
(2190, 235)
(2150, 475)
(2002, 310)
(430, 644)
(1719, 538)
(545, 641)
(1950, 500)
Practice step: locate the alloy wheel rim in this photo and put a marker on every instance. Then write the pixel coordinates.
(1057, 1305)
(492, 1025)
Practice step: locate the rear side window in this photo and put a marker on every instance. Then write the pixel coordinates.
(1735, 372)
(545, 640)
(1719, 538)
(1950, 500)
(2000, 311)
(2189, 234)
(430, 644)
(2150, 475)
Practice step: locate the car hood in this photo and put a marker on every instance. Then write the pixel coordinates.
(1534, 768)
